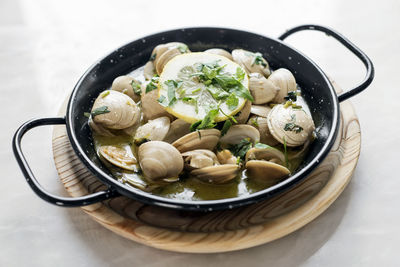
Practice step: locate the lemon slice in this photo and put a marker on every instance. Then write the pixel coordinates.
(196, 96)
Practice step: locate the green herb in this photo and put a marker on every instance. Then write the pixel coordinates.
(292, 126)
(192, 101)
(254, 121)
(292, 95)
(153, 56)
(232, 101)
(207, 122)
(104, 94)
(163, 101)
(97, 111)
(196, 90)
(225, 127)
(172, 85)
(152, 85)
(240, 150)
(182, 48)
(285, 153)
(211, 74)
(136, 87)
(240, 74)
(259, 60)
(217, 92)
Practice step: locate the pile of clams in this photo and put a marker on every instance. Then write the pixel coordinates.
(160, 148)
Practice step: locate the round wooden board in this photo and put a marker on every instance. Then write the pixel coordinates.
(217, 231)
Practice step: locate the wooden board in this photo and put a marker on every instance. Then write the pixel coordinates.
(217, 231)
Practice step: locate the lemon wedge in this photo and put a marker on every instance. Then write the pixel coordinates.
(192, 84)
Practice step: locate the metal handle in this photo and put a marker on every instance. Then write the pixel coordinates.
(344, 41)
(34, 184)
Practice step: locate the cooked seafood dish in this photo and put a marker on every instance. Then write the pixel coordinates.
(202, 125)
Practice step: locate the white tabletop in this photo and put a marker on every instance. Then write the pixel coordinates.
(45, 46)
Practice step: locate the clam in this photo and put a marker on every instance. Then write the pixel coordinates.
(202, 139)
(262, 89)
(159, 160)
(226, 157)
(219, 51)
(267, 153)
(216, 174)
(165, 52)
(237, 133)
(285, 81)
(119, 156)
(266, 171)
(291, 126)
(261, 111)
(98, 129)
(149, 70)
(251, 62)
(177, 129)
(115, 110)
(199, 158)
(243, 114)
(151, 108)
(261, 124)
(153, 130)
(127, 85)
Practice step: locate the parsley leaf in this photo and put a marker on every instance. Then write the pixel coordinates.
(240, 150)
(97, 111)
(259, 60)
(292, 95)
(225, 127)
(183, 48)
(152, 85)
(240, 74)
(207, 122)
(217, 92)
(163, 101)
(292, 126)
(232, 102)
(172, 85)
(136, 87)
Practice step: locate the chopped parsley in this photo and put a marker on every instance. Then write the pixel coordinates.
(206, 123)
(292, 95)
(232, 101)
(261, 145)
(172, 85)
(192, 101)
(225, 127)
(292, 126)
(136, 87)
(254, 122)
(285, 153)
(97, 111)
(259, 60)
(240, 149)
(183, 48)
(152, 85)
(153, 56)
(240, 74)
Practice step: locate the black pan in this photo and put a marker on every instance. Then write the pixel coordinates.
(316, 89)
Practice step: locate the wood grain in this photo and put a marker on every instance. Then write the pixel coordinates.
(217, 231)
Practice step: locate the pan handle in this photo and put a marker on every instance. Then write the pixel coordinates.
(349, 45)
(34, 184)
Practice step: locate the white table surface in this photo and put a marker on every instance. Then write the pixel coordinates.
(45, 46)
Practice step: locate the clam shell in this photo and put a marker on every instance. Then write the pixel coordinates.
(217, 174)
(202, 139)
